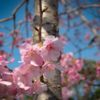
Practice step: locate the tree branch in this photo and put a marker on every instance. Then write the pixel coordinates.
(5, 27)
(18, 7)
(89, 46)
(9, 69)
(87, 22)
(81, 7)
(6, 19)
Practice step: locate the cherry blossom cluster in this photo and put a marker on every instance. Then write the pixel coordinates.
(19, 39)
(71, 67)
(66, 93)
(29, 16)
(36, 62)
(64, 39)
(1, 40)
(98, 69)
(70, 74)
(2, 34)
(16, 42)
(87, 36)
(2, 52)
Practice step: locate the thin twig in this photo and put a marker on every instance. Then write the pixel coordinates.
(18, 7)
(86, 21)
(39, 34)
(88, 46)
(9, 69)
(6, 19)
(83, 7)
(7, 44)
(26, 17)
(5, 27)
(13, 34)
(15, 10)
(40, 7)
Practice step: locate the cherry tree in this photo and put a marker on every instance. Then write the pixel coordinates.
(45, 72)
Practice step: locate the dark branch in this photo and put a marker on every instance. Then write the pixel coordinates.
(40, 7)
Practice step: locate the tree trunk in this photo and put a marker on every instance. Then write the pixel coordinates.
(49, 27)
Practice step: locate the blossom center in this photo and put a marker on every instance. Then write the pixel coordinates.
(49, 47)
(31, 54)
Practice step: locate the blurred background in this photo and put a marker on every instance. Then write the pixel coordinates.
(79, 29)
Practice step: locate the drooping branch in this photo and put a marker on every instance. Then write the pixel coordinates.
(6, 19)
(86, 21)
(81, 7)
(87, 47)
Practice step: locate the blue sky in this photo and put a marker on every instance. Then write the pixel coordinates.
(6, 9)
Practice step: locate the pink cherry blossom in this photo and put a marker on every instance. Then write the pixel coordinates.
(64, 42)
(2, 34)
(23, 89)
(30, 55)
(23, 77)
(78, 64)
(63, 56)
(38, 87)
(49, 70)
(98, 62)
(52, 47)
(29, 40)
(11, 60)
(5, 55)
(31, 17)
(62, 37)
(73, 76)
(66, 93)
(98, 72)
(66, 60)
(63, 82)
(21, 97)
(4, 87)
(16, 32)
(2, 66)
(23, 86)
(7, 76)
(1, 57)
(28, 68)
